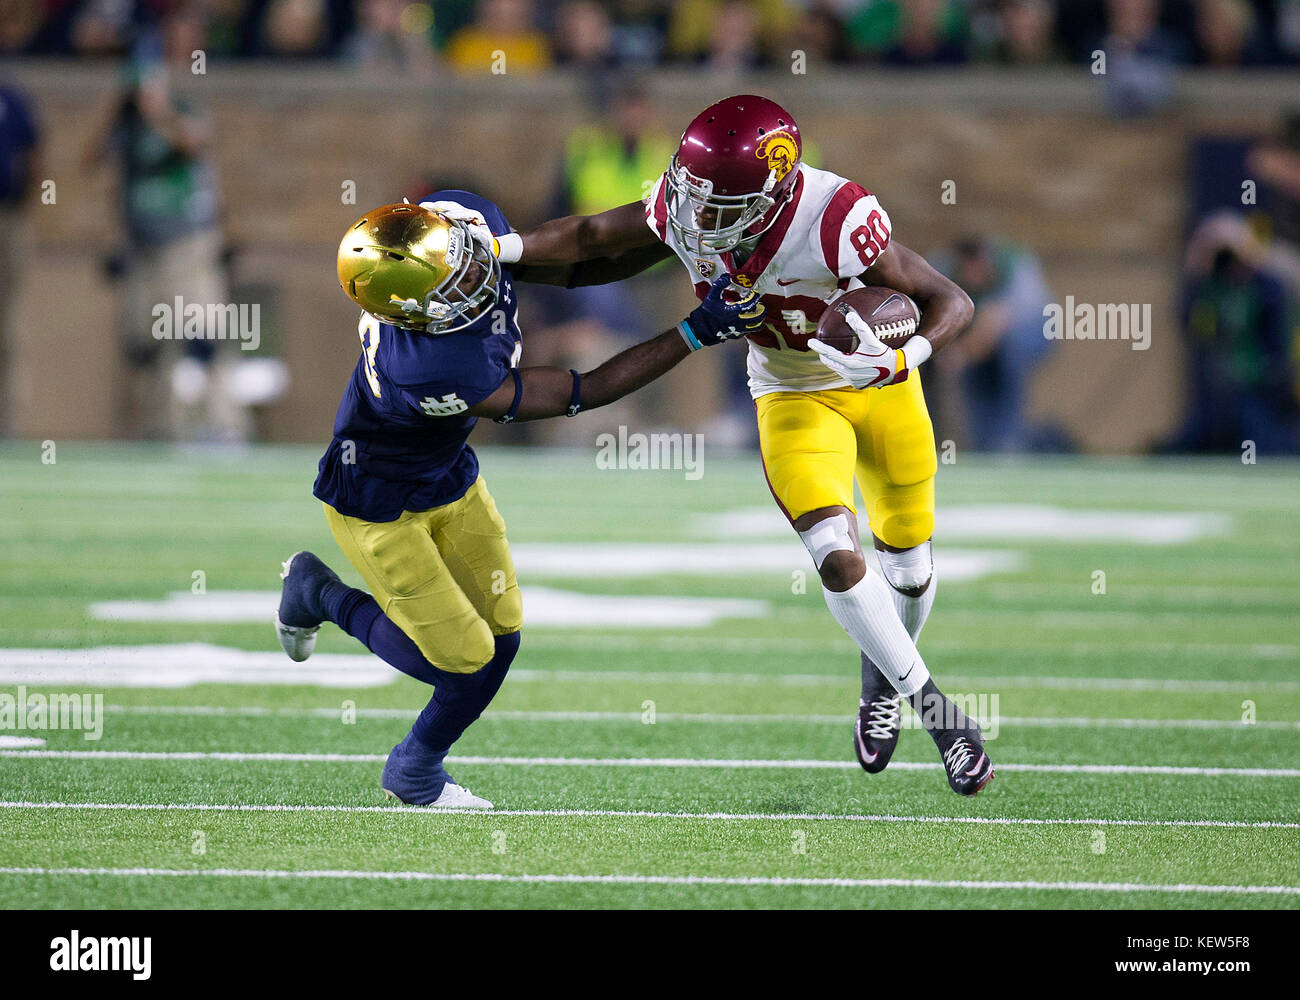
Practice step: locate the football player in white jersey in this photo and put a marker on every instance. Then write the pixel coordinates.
(737, 199)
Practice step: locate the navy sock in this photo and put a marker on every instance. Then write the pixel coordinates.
(359, 615)
(507, 647)
(459, 699)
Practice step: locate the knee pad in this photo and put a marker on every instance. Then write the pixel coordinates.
(472, 650)
(507, 614)
(829, 535)
(910, 571)
(903, 516)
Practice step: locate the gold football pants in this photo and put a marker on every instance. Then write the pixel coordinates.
(814, 443)
(444, 576)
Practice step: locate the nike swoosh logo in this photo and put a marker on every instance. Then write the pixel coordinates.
(862, 750)
(888, 373)
(780, 281)
(904, 677)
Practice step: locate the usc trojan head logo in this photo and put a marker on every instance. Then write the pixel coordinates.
(780, 151)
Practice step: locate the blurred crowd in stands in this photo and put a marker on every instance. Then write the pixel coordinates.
(462, 35)
(1240, 279)
(1240, 303)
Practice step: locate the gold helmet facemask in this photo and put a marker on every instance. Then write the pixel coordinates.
(417, 269)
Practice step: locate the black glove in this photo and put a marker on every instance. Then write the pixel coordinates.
(714, 320)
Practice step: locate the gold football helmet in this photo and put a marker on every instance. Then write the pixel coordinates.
(416, 269)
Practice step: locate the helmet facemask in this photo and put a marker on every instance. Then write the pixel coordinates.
(465, 294)
(690, 196)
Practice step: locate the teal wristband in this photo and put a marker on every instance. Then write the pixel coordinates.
(688, 335)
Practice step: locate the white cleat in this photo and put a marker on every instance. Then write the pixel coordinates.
(453, 797)
(297, 642)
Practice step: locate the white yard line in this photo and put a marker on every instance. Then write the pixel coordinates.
(547, 606)
(738, 644)
(725, 763)
(178, 665)
(1122, 684)
(10, 742)
(950, 681)
(1045, 721)
(643, 814)
(692, 880)
(1048, 721)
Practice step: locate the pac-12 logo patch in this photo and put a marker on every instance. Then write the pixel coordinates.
(705, 267)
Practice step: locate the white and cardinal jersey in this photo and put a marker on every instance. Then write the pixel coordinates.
(829, 232)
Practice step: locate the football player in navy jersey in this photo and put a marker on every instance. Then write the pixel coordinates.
(401, 487)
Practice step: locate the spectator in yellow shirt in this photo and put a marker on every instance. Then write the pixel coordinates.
(502, 39)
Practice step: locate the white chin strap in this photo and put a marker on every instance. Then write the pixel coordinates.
(830, 535)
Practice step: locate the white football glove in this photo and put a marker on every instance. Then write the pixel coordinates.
(872, 365)
(474, 221)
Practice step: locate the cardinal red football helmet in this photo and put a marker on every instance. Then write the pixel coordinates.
(734, 171)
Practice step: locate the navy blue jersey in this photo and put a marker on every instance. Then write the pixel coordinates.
(400, 434)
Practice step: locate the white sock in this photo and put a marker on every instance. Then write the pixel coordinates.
(866, 612)
(911, 567)
(913, 610)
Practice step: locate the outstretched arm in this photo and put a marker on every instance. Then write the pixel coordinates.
(571, 251)
(576, 238)
(551, 392)
(601, 271)
(548, 392)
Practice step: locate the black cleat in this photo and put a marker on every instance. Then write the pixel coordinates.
(958, 737)
(300, 614)
(968, 767)
(875, 734)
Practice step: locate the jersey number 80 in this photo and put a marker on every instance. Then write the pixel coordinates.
(870, 240)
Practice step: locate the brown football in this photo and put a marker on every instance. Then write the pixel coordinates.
(893, 318)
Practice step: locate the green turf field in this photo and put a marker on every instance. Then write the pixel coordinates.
(688, 761)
